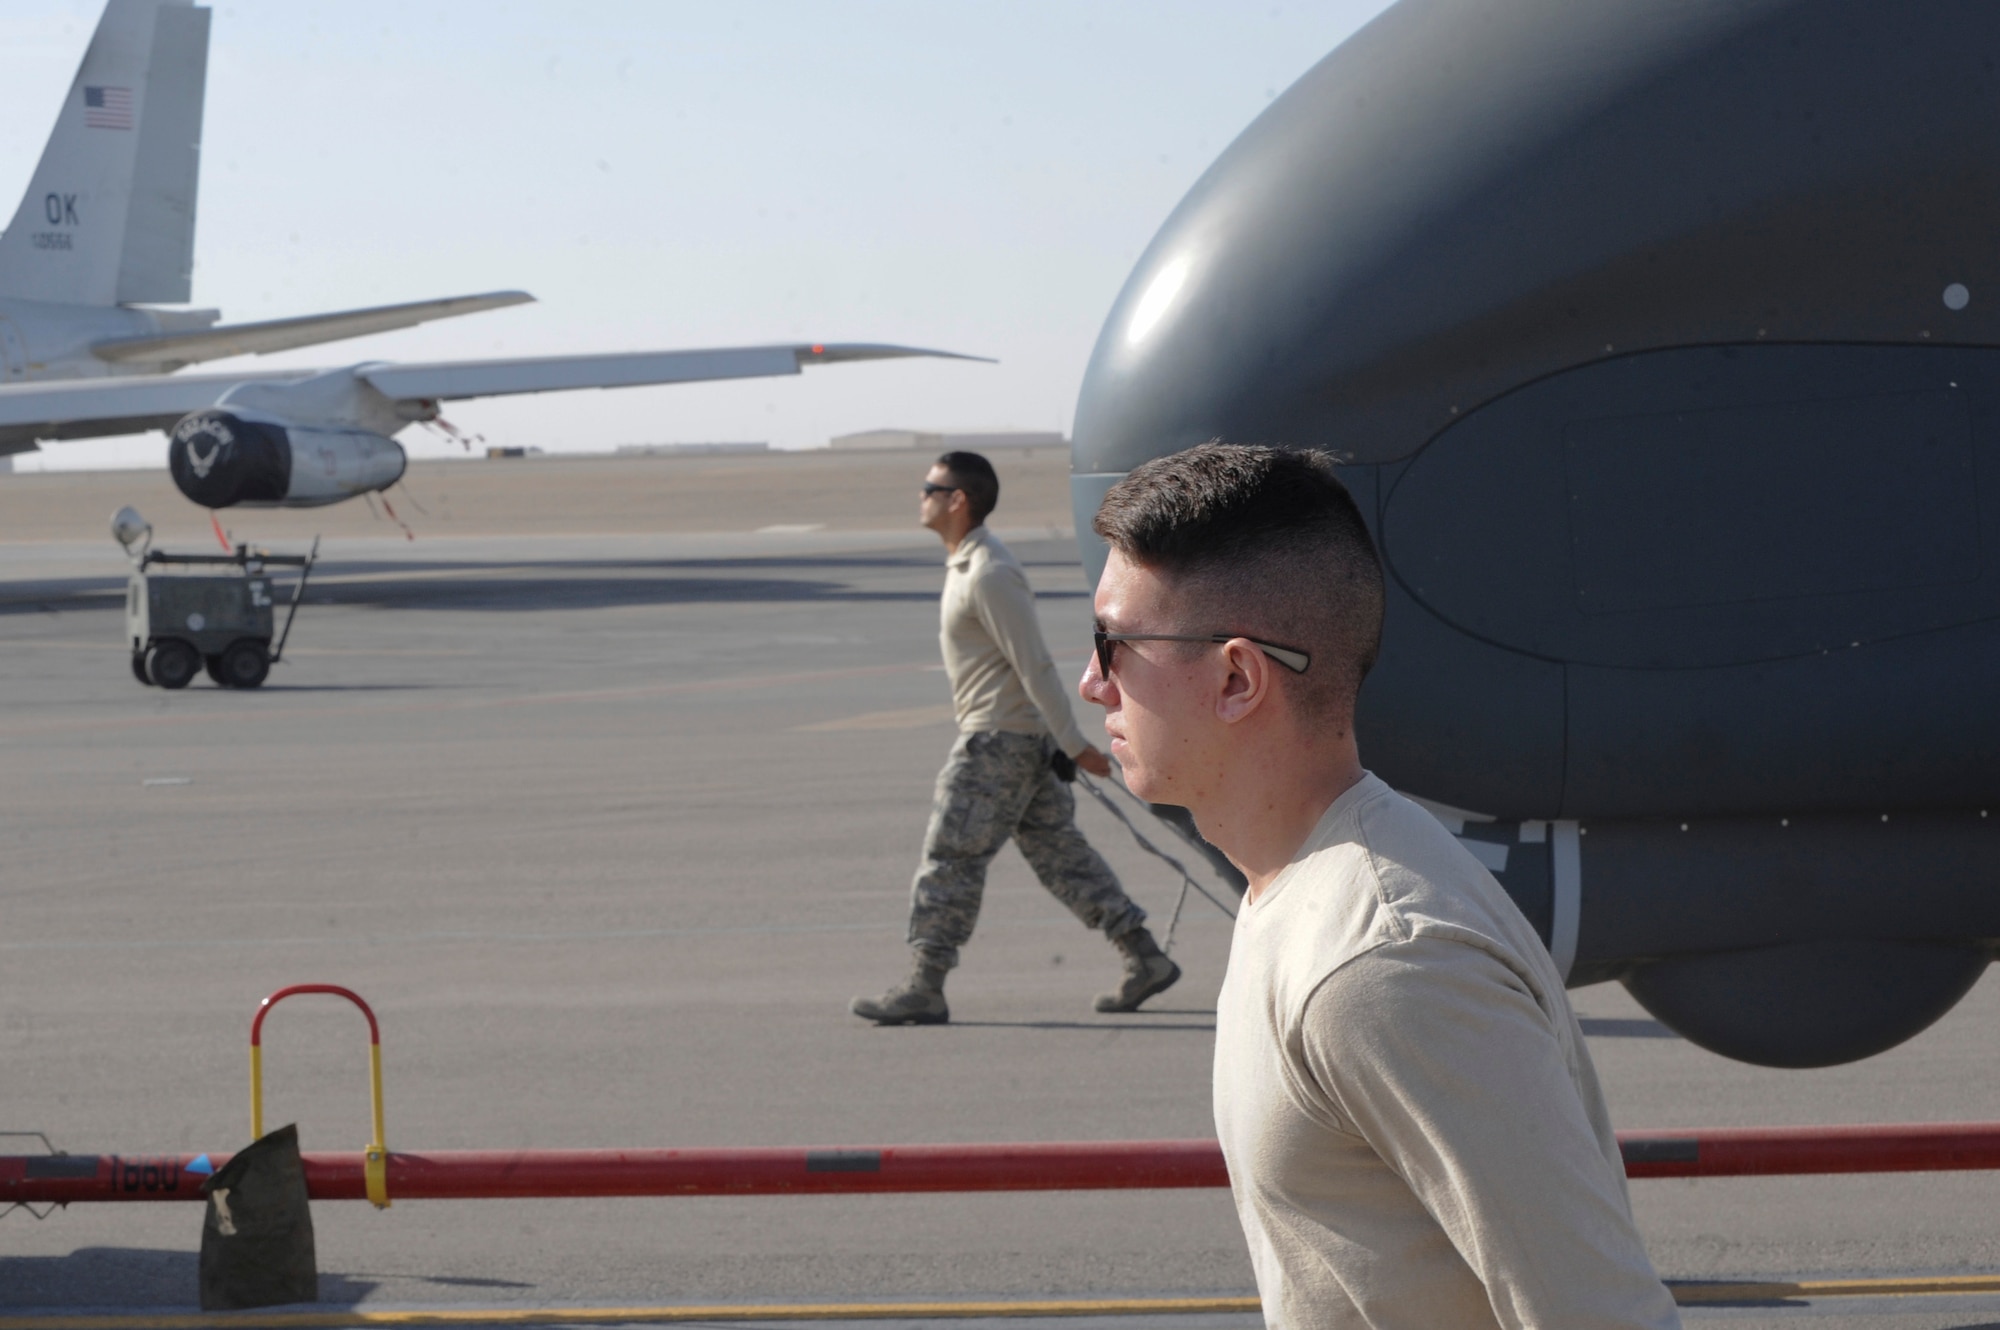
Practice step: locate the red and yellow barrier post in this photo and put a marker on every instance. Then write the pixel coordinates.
(375, 1159)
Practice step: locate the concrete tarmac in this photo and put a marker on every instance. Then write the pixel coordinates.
(609, 814)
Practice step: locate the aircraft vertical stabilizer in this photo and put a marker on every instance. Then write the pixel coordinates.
(156, 264)
(109, 215)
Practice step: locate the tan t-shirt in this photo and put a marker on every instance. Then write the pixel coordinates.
(1001, 674)
(1414, 1132)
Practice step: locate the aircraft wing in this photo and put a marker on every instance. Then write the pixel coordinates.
(451, 379)
(237, 339)
(90, 408)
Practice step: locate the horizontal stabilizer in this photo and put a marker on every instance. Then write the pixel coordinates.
(174, 349)
(453, 379)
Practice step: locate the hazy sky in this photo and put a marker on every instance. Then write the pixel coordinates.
(973, 176)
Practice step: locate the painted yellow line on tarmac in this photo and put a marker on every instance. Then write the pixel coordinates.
(1927, 1286)
(1685, 1294)
(835, 1311)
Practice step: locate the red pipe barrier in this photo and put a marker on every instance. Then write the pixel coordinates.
(1736, 1152)
(1071, 1166)
(493, 1174)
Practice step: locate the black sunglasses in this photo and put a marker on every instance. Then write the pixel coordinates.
(930, 489)
(1291, 658)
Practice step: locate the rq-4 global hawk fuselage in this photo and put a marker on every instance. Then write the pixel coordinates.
(1662, 341)
(104, 237)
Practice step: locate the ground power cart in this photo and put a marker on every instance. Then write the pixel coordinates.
(180, 622)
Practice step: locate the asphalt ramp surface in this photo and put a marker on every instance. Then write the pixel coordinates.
(609, 825)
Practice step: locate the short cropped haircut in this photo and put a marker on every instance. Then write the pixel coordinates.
(1265, 542)
(976, 480)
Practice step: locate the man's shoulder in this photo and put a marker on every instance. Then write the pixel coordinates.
(1393, 825)
(1371, 829)
(1424, 870)
(1439, 893)
(988, 548)
(1380, 872)
(992, 563)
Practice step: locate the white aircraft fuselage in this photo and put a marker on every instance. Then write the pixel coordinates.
(42, 339)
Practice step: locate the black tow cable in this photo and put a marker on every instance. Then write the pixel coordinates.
(1187, 878)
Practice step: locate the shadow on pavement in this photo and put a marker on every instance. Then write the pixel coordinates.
(553, 591)
(443, 1281)
(1099, 1026)
(356, 687)
(559, 592)
(555, 583)
(129, 1277)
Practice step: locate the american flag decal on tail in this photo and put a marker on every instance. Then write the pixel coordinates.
(107, 108)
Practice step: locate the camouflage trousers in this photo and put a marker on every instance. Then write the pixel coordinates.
(993, 786)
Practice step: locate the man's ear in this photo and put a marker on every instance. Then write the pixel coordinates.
(1247, 682)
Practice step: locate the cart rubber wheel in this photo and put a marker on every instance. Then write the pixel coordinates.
(139, 668)
(245, 664)
(213, 664)
(171, 663)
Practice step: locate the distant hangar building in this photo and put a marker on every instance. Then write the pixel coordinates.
(935, 442)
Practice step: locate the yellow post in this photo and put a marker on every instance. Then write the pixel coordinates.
(256, 1093)
(375, 1162)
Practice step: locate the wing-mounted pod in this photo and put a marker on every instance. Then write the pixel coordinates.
(1661, 340)
(219, 459)
(298, 444)
(224, 459)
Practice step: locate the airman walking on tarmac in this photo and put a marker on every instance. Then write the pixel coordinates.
(1008, 773)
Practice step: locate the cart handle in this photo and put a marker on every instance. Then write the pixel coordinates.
(298, 594)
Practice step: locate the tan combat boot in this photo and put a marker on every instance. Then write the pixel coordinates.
(1148, 970)
(919, 1001)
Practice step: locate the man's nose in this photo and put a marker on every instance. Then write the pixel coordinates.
(1094, 687)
